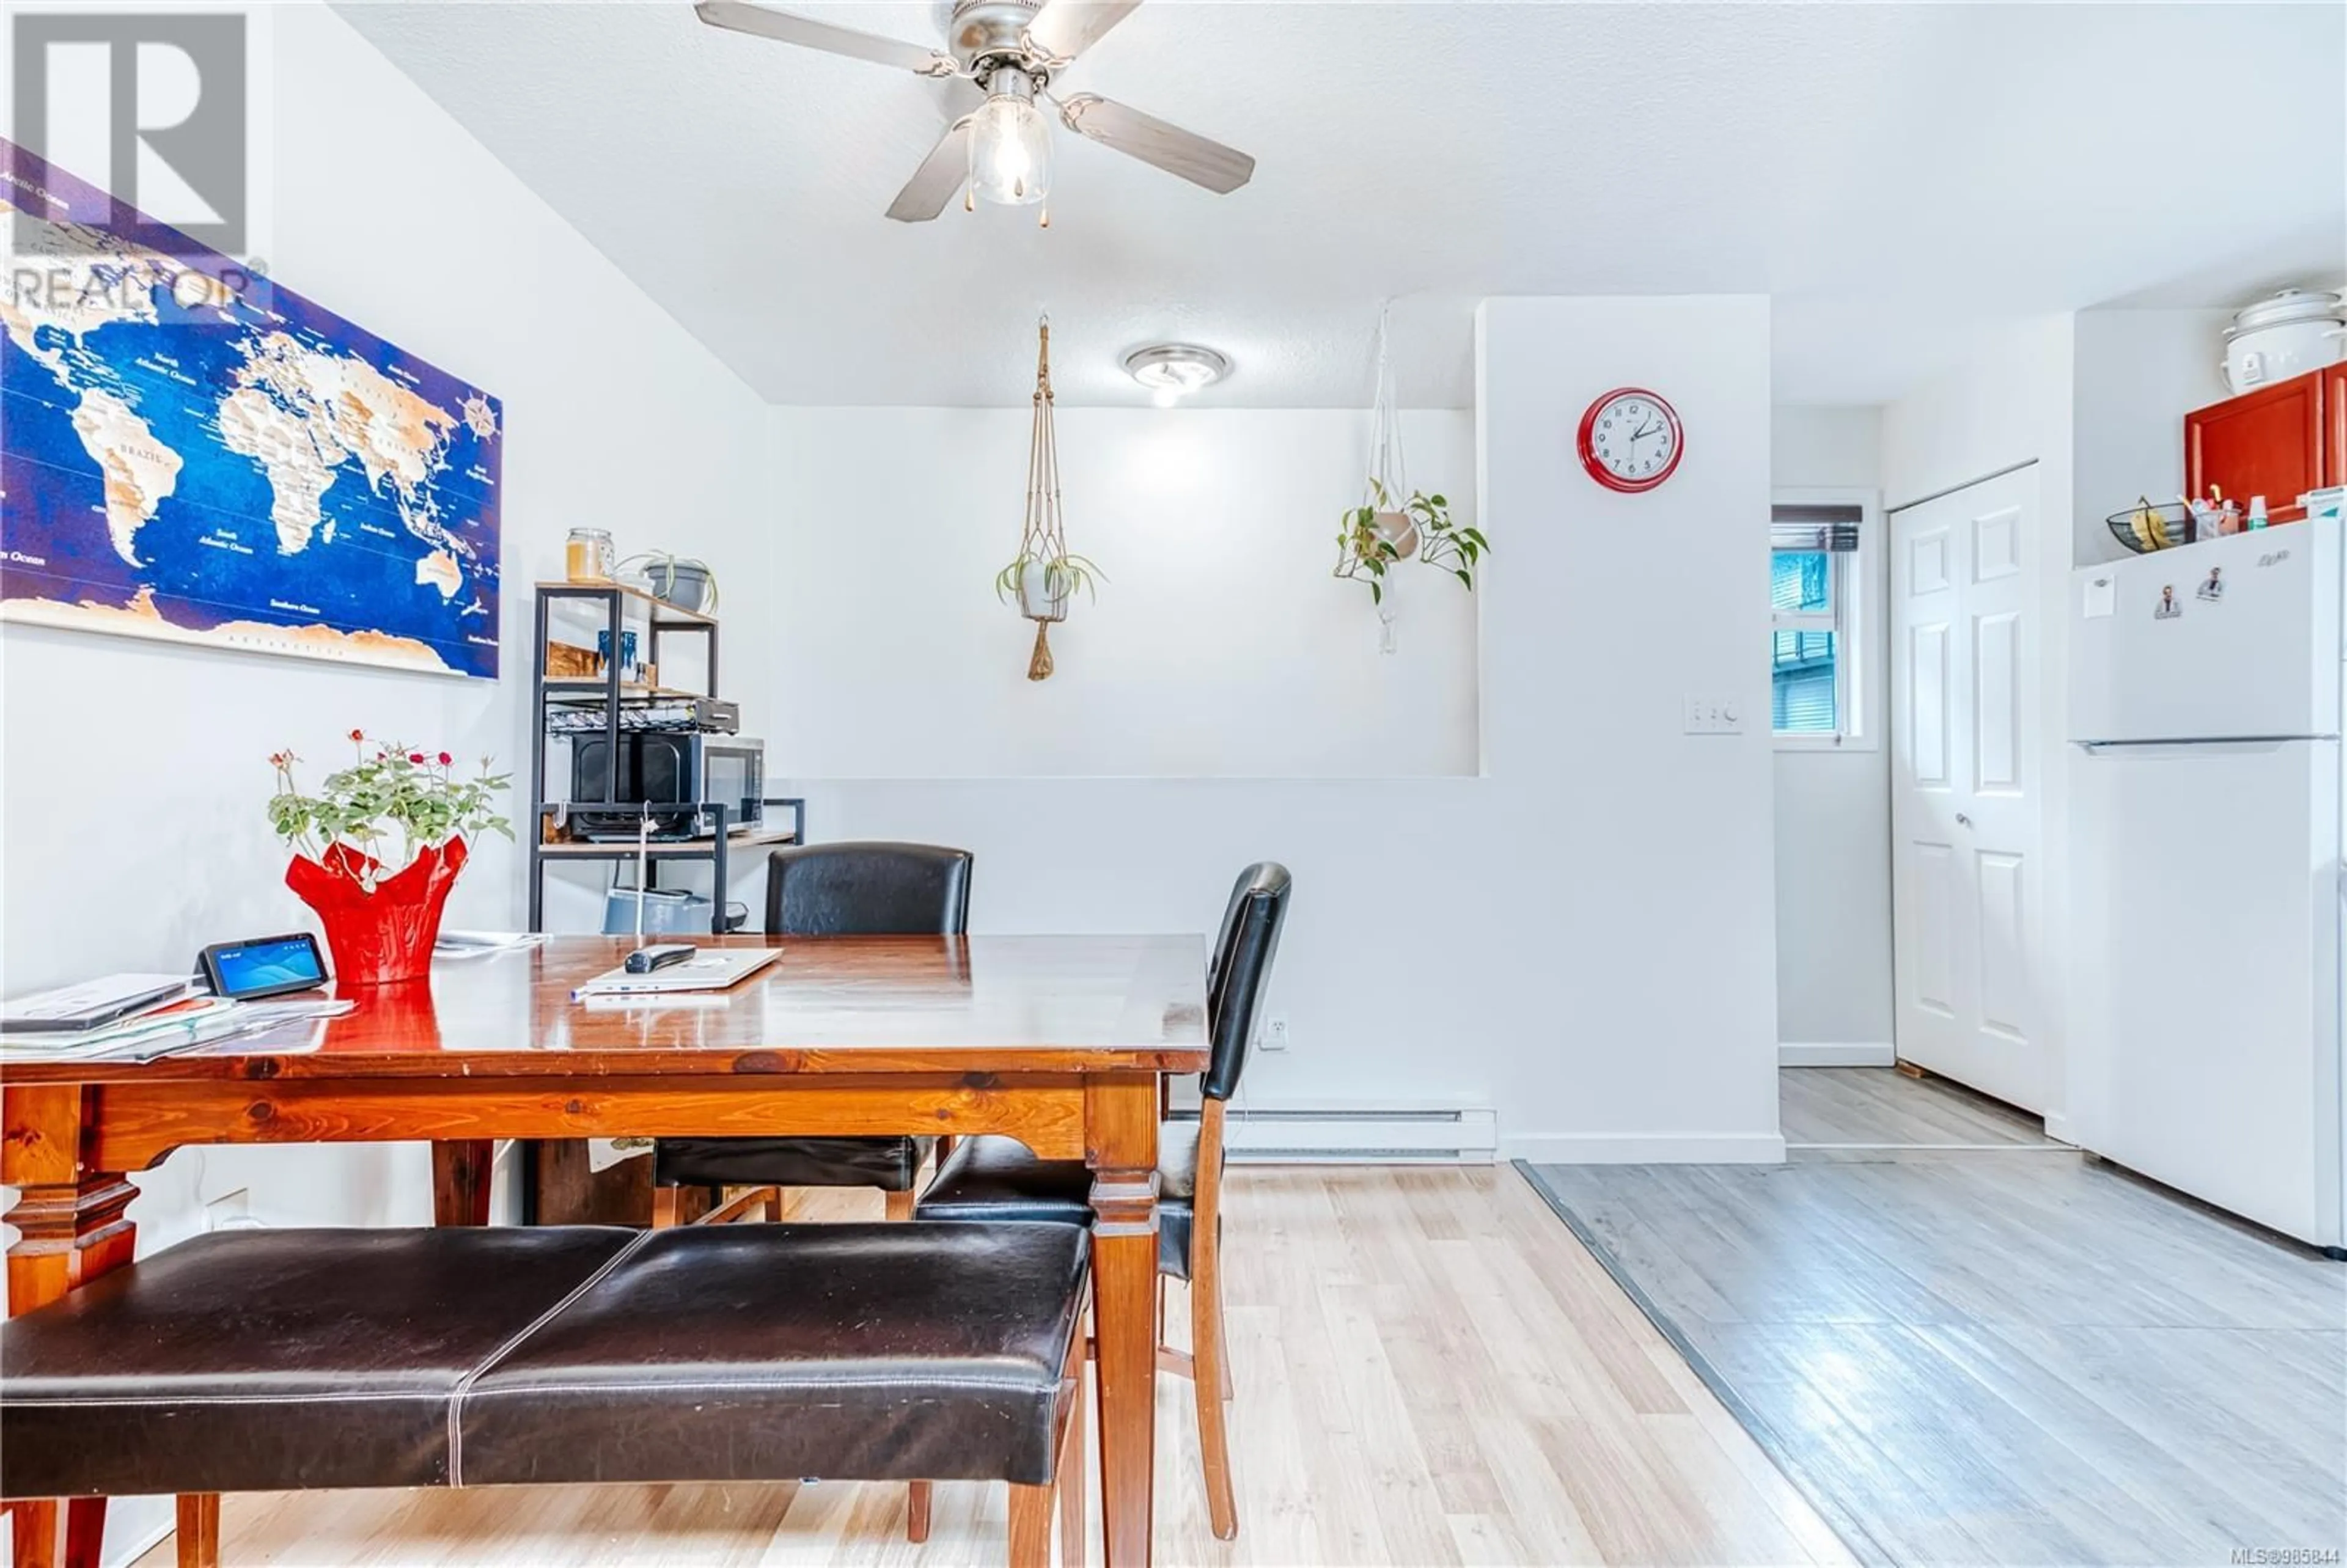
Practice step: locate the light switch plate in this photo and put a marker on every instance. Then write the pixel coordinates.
(1713, 716)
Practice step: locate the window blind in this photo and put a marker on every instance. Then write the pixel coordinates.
(1809, 528)
(1802, 702)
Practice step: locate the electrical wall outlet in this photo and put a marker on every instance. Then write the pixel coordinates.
(1275, 1033)
(1713, 716)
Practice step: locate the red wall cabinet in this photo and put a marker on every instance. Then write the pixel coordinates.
(2278, 442)
(2334, 425)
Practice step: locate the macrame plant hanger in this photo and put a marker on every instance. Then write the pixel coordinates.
(1387, 489)
(1044, 542)
(1386, 467)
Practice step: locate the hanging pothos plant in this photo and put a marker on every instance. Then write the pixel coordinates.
(1377, 533)
(1394, 523)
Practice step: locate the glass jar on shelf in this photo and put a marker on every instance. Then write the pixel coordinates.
(588, 555)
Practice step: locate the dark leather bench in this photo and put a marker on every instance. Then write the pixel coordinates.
(272, 1360)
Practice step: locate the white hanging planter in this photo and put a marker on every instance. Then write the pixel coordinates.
(1036, 599)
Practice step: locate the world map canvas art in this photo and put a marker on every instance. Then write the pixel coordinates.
(190, 453)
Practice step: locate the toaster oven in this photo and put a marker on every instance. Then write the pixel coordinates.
(668, 776)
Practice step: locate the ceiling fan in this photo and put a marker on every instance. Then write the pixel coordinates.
(1010, 50)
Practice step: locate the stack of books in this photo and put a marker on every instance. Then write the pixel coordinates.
(126, 1016)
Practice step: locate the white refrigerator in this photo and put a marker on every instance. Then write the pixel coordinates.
(2206, 835)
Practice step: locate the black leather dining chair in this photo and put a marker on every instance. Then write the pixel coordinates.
(851, 889)
(996, 1178)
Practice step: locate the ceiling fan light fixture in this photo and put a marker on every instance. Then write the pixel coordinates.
(1172, 371)
(1010, 143)
(1012, 49)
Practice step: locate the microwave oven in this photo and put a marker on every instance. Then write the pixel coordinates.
(659, 771)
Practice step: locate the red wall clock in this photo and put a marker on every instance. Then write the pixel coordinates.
(1631, 440)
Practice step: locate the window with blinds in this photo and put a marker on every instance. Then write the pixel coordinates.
(1809, 551)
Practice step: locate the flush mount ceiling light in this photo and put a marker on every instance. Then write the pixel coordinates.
(1172, 371)
(1002, 57)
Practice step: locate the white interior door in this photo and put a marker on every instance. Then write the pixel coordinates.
(1967, 873)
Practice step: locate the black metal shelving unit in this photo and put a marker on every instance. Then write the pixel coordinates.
(612, 694)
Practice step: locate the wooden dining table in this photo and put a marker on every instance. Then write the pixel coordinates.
(1060, 1042)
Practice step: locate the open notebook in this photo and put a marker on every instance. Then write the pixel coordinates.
(710, 969)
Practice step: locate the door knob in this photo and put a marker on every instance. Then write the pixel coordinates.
(1962, 821)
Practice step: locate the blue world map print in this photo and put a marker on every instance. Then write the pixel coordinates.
(192, 453)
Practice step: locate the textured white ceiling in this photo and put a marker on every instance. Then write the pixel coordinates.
(1896, 176)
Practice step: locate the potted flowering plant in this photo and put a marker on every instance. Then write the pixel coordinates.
(377, 850)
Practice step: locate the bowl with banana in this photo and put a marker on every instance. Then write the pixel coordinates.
(2150, 526)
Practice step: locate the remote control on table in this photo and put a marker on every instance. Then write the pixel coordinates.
(644, 960)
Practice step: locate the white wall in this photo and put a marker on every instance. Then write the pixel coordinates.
(1833, 808)
(134, 772)
(1579, 937)
(1814, 448)
(2011, 403)
(1220, 645)
(2008, 403)
(2136, 373)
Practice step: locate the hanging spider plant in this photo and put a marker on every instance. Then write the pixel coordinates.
(1044, 575)
(1042, 587)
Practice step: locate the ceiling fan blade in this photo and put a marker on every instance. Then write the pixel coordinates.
(1066, 28)
(1221, 170)
(806, 30)
(940, 175)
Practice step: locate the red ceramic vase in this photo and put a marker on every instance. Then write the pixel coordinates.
(383, 938)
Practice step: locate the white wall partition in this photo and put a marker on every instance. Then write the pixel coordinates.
(1219, 646)
(1833, 806)
(1576, 934)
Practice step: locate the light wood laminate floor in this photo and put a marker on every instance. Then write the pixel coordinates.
(1828, 1112)
(1430, 1369)
(1999, 1356)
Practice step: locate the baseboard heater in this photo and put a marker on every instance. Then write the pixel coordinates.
(1334, 1137)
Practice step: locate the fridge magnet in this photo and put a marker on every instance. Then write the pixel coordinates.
(2214, 589)
(2166, 609)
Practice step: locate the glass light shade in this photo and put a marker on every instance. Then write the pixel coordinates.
(1170, 381)
(1010, 151)
(1172, 371)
